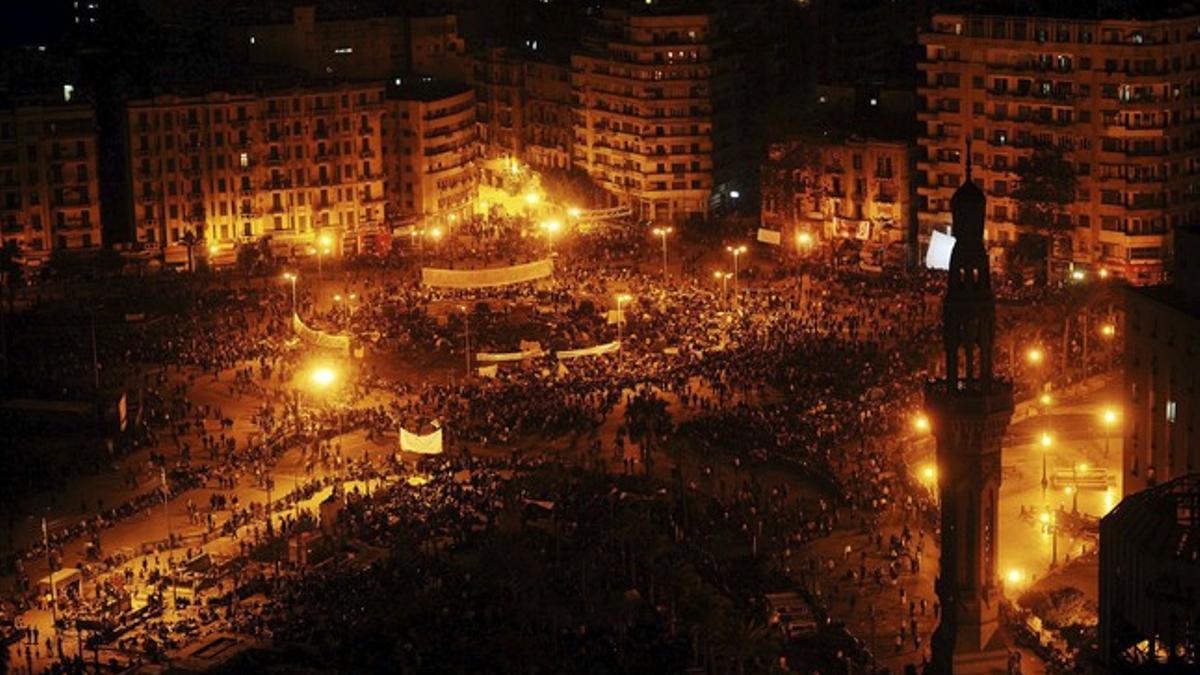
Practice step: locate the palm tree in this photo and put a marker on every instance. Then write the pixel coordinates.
(746, 641)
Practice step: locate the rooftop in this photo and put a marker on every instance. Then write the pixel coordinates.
(411, 87)
(1089, 9)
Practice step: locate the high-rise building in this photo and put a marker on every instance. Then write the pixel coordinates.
(1161, 422)
(430, 146)
(498, 76)
(654, 122)
(524, 105)
(842, 188)
(361, 43)
(969, 409)
(231, 168)
(49, 194)
(1117, 98)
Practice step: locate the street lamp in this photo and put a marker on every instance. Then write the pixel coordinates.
(291, 276)
(737, 251)
(532, 198)
(921, 423)
(321, 377)
(551, 227)
(804, 241)
(574, 212)
(1046, 442)
(621, 300)
(723, 277)
(662, 232)
(467, 336)
(1035, 356)
(1110, 420)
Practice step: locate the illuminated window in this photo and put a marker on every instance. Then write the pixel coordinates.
(244, 159)
(1171, 411)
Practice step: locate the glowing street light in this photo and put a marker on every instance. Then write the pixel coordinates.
(1110, 420)
(662, 232)
(532, 198)
(1035, 356)
(1103, 273)
(550, 227)
(1078, 275)
(574, 212)
(466, 335)
(435, 233)
(1046, 440)
(804, 240)
(621, 300)
(1108, 330)
(723, 277)
(321, 377)
(921, 423)
(1045, 400)
(291, 276)
(736, 251)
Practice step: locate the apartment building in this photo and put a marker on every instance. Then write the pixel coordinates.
(1162, 340)
(652, 123)
(524, 105)
(1119, 98)
(498, 77)
(841, 188)
(231, 168)
(350, 42)
(431, 144)
(49, 191)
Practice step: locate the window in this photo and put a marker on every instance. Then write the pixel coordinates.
(1171, 410)
(244, 159)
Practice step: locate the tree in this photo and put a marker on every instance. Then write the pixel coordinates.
(190, 241)
(1046, 184)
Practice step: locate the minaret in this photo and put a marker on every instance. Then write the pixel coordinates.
(969, 409)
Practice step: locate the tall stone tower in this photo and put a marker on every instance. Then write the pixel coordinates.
(970, 409)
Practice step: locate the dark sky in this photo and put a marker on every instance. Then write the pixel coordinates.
(33, 21)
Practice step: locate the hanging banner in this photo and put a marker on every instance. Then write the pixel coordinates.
(488, 371)
(429, 444)
(498, 357)
(588, 351)
(768, 236)
(320, 338)
(485, 278)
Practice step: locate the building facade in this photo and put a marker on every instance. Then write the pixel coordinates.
(524, 106)
(431, 146)
(840, 188)
(648, 90)
(233, 168)
(1117, 98)
(364, 45)
(1162, 343)
(498, 77)
(49, 191)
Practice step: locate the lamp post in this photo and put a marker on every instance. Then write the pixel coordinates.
(1110, 420)
(621, 300)
(551, 227)
(1046, 442)
(467, 336)
(1108, 331)
(291, 276)
(723, 277)
(662, 233)
(737, 251)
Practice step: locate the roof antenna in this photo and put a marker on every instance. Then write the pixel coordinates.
(968, 159)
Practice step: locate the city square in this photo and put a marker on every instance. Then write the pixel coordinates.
(490, 357)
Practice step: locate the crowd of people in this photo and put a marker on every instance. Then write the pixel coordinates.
(806, 368)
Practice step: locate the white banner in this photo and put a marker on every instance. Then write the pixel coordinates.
(499, 357)
(320, 338)
(941, 245)
(588, 351)
(484, 278)
(429, 444)
(768, 236)
(488, 371)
